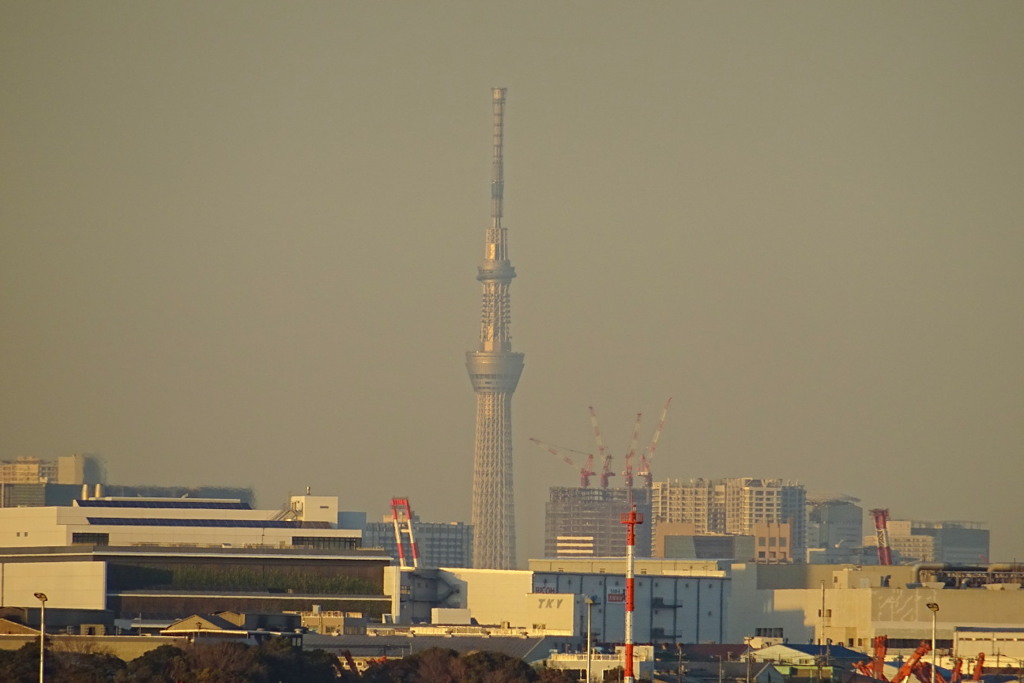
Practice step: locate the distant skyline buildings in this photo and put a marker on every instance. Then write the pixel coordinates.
(733, 505)
(494, 371)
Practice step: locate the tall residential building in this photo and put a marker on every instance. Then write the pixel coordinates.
(494, 370)
(587, 522)
(733, 506)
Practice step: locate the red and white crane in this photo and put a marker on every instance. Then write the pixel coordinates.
(881, 517)
(627, 474)
(401, 516)
(586, 472)
(644, 471)
(606, 459)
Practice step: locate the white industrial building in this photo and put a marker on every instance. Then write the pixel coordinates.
(686, 601)
(310, 521)
(181, 556)
(675, 601)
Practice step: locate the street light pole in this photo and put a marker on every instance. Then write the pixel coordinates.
(934, 607)
(590, 603)
(41, 597)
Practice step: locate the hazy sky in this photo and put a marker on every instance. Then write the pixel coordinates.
(240, 244)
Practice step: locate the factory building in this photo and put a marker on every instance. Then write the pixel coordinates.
(175, 557)
(675, 601)
(587, 522)
(851, 604)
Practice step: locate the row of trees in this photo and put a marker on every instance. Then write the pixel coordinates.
(273, 661)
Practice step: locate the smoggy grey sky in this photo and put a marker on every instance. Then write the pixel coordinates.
(240, 244)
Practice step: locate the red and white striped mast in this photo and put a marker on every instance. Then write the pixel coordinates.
(630, 519)
(401, 516)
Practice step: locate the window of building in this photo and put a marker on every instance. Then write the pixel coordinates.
(320, 543)
(87, 538)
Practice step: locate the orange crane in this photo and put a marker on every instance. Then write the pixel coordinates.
(978, 667)
(957, 668)
(881, 517)
(586, 472)
(881, 645)
(877, 668)
(908, 666)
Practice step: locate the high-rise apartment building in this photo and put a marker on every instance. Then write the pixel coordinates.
(734, 506)
(587, 522)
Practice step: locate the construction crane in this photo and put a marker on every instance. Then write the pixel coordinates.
(957, 673)
(606, 459)
(586, 472)
(644, 471)
(881, 646)
(881, 517)
(908, 666)
(627, 474)
(401, 516)
(979, 666)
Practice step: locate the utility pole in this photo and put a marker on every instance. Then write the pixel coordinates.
(41, 597)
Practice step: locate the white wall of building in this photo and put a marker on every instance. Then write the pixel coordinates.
(494, 596)
(28, 527)
(67, 585)
(33, 527)
(316, 508)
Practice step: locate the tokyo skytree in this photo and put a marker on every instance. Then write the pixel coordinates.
(494, 370)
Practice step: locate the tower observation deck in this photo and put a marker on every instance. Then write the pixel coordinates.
(494, 371)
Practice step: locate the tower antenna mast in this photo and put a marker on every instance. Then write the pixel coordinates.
(494, 371)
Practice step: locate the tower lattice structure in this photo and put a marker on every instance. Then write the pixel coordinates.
(494, 371)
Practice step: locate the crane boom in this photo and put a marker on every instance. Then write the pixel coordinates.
(979, 667)
(881, 517)
(586, 472)
(908, 666)
(627, 474)
(602, 452)
(648, 454)
(657, 432)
